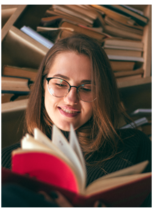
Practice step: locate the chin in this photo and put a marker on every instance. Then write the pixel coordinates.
(66, 126)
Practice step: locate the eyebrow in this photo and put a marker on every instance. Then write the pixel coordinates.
(67, 78)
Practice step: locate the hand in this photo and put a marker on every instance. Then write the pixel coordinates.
(99, 204)
(61, 201)
(56, 197)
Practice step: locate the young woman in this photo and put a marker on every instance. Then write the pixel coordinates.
(75, 84)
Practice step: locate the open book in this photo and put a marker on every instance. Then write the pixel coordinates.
(60, 165)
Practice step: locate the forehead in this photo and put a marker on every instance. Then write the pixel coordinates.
(72, 65)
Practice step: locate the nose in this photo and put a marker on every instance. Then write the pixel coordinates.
(72, 96)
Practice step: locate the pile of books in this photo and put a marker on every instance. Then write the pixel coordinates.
(141, 120)
(146, 126)
(118, 29)
(16, 83)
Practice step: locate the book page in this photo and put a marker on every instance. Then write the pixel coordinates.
(74, 143)
(111, 183)
(42, 138)
(60, 141)
(29, 143)
(135, 169)
(117, 177)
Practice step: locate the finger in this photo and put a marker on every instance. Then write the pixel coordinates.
(47, 197)
(99, 204)
(62, 201)
(103, 205)
(96, 204)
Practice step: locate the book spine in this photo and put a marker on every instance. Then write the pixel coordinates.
(137, 123)
(133, 9)
(33, 34)
(125, 58)
(122, 47)
(28, 78)
(142, 111)
(142, 20)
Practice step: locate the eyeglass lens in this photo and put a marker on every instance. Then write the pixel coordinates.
(60, 88)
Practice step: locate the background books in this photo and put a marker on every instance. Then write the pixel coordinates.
(147, 113)
(124, 53)
(141, 119)
(16, 86)
(109, 25)
(135, 92)
(106, 24)
(122, 27)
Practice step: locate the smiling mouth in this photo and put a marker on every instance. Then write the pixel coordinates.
(69, 113)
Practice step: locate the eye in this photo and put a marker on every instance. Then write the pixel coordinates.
(85, 88)
(59, 83)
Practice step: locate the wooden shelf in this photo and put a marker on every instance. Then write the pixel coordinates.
(135, 82)
(14, 41)
(12, 20)
(21, 50)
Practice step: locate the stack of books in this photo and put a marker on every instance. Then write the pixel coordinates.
(118, 29)
(64, 20)
(144, 113)
(142, 120)
(17, 83)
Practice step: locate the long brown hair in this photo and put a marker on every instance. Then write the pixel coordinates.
(100, 131)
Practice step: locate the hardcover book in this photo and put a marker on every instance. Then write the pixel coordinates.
(12, 84)
(59, 165)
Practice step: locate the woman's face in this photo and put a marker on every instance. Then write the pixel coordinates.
(75, 69)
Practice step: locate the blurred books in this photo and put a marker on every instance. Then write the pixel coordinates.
(17, 83)
(142, 120)
(118, 29)
(29, 31)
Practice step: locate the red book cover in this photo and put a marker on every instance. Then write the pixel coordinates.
(46, 168)
(56, 175)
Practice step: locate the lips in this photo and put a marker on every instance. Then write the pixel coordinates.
(69, 112)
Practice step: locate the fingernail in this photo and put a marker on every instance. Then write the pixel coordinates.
(53, 194)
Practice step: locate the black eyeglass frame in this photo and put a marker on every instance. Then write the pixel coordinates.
(70, 86)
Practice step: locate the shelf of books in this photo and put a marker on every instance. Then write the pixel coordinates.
(124, 32)
(28, 31)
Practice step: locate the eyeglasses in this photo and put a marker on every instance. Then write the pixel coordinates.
(59, 88)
